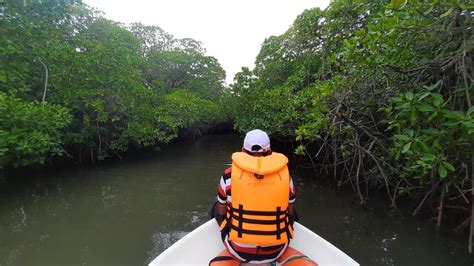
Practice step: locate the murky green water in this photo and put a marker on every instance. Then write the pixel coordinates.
(126, 213)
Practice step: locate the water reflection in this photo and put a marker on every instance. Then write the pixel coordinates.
(161, 241)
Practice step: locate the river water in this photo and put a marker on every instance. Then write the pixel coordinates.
(128, 212)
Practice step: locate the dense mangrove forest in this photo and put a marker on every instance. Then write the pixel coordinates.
(78, 85)
(373, 95)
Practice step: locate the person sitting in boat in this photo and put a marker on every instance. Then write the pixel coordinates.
(256, 215)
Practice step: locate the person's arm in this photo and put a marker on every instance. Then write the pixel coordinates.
(220, 209)
(292, 214)
(291, 209)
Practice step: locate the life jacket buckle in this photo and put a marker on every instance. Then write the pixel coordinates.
(258, 176)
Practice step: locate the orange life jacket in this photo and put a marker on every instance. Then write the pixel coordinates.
(260, 191)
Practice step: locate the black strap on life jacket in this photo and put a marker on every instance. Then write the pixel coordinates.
(278, 218)
(221, 258)
(237, 214)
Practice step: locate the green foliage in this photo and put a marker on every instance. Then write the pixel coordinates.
(116, 82)
(169, 70)
(30, 132)
(271, 97)
(379, 93)
(198, 110)
(429, 133)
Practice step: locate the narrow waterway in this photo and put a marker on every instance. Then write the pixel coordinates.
(127, 212)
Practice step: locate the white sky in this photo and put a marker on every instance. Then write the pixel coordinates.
(230, 30)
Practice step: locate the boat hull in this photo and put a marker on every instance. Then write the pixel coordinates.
(204, 243)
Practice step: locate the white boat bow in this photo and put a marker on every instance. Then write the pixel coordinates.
(204, 243)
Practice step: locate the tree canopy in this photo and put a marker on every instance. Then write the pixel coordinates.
(105, 87)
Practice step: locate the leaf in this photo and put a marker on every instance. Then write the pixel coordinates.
(470, 111)
(406, 147)
(347, 44)
(402, 137)
(466, 6)
(448, 166)
(398, 3)
(469, 124)
(423, 96)
(434, 86)
(445, 14)
(429, 10)
(424, 147)
(432, 131)
(452, 124)
(442, 171)
(425, 108)
(413, 116)
(299, 150)
(409, 96)
(454, 114)
(428, 157)
(432, 116)
(437, 99)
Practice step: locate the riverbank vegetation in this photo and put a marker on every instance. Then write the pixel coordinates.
(75, 84)
(377, 94)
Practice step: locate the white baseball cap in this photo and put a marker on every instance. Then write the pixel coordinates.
(257, 137)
